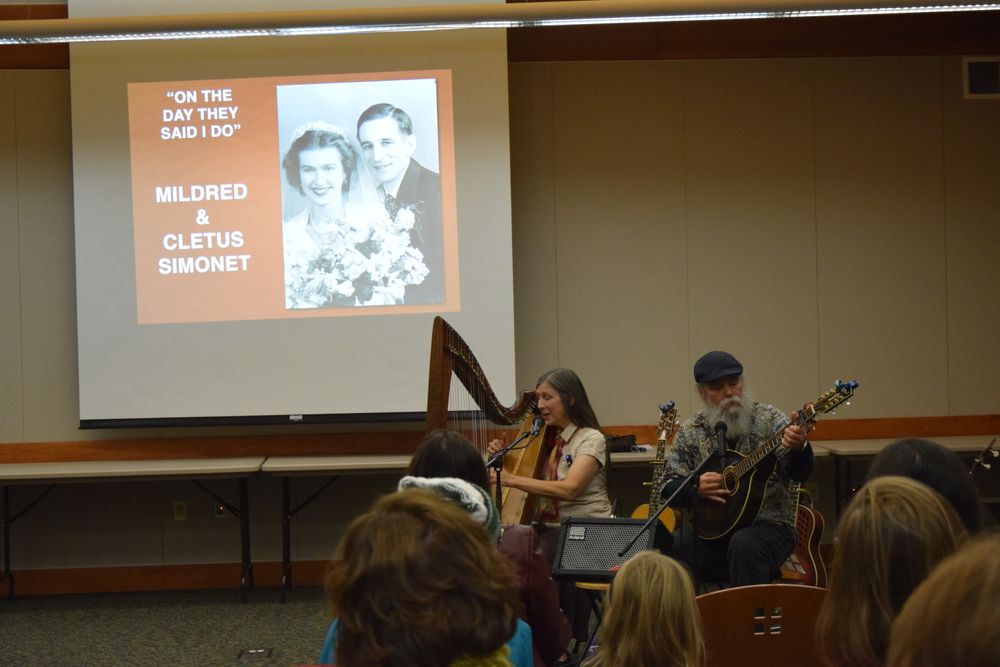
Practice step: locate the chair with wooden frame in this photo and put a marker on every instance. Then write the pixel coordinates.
(774, 623)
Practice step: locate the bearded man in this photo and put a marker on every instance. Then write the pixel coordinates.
(752, 554)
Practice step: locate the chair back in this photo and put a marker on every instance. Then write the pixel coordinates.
(772, 623)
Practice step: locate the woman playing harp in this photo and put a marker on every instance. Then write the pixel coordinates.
(574, 480)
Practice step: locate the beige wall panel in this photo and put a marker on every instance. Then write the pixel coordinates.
(45, 184)
(751, 233)
(619, 203)
(11, 403)
(972, 217)
(536, 323)
(879, 199)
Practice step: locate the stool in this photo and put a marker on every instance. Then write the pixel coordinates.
(595, 595)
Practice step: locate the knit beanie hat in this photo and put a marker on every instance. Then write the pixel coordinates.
(471, 497)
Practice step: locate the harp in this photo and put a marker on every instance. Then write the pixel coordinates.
(471, 407)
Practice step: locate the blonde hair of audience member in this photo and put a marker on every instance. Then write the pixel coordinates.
(652, 617)
(416, 582)
(953, 616)
(891, 536)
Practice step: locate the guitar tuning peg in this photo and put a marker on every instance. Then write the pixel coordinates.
(987, 466)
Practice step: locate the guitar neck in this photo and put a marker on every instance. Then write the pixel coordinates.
(668, 416)
(654, 493)
(772, 442)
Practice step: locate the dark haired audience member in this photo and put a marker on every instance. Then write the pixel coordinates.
(890, 537)
(416, 582)
(446, 456)
(937, 467)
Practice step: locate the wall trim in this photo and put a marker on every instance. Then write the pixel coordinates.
(404, 442)
(147, 578)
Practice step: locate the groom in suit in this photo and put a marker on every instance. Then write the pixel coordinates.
(387, 141)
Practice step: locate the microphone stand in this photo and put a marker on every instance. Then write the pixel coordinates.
(666, 503)
(496, 462)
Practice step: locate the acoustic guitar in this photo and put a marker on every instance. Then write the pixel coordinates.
(745, 476)
(665, 429)
(806, 562)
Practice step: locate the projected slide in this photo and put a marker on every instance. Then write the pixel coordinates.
(311, 196)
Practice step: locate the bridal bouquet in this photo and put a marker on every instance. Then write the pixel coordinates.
(367, 265)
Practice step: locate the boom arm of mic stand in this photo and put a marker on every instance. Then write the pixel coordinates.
(664, 505)
(496, 461)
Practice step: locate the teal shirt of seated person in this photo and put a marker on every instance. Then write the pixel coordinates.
(519, 646)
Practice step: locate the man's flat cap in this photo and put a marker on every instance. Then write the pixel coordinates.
(716, 365)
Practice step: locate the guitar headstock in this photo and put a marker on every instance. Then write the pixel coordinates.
(668, 420)
(983, 460)
(830, 401)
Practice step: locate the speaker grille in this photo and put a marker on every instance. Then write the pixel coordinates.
(589, 548)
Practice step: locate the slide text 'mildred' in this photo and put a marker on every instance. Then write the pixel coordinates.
(171, 194)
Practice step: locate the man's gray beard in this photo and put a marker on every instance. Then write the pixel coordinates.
(737, 421)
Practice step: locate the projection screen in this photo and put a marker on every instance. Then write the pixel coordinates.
(233, 264)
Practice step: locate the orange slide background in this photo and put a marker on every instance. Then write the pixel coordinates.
(250, 156)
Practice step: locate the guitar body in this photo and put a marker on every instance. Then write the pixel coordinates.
(668, 517)
(715, 521)
(806, 562)
(666, 427)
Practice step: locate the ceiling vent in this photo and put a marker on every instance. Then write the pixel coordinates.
(982, 77)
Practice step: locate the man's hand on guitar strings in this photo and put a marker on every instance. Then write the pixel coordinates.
(710, 487)
(794, 436)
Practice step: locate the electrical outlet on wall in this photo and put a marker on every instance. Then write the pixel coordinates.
(180, 510)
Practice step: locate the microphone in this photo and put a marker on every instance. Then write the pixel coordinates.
(720, 433)
(536, 426)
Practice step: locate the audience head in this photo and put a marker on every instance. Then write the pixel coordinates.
(451, 466)
(573, 398)
(416, 582)
(938, 468)
(651, 616)
(449, 454)
(890, 537)
(952, 617)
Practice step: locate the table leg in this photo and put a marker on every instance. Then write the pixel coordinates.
(286, 538)
(5, 518)
(837, 488)
(246, 578)
(287, 512)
